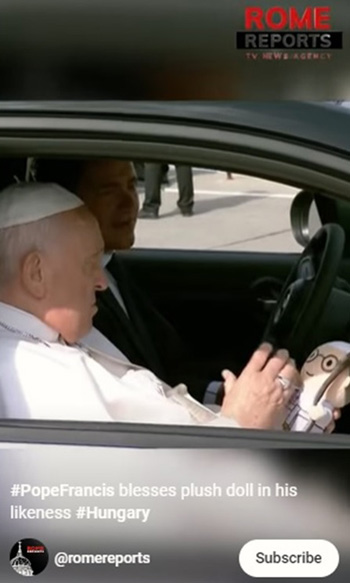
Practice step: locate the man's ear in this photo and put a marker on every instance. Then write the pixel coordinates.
(33, 275)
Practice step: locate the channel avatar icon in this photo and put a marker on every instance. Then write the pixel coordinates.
(28, 557)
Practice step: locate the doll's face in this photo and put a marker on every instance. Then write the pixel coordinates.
(317, 368)
(322, 361)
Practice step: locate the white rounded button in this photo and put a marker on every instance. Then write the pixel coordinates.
(289, 558)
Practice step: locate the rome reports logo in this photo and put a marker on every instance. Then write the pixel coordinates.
(28, 557)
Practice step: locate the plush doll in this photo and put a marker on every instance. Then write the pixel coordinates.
(325, 379)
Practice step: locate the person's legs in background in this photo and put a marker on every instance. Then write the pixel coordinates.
(152, 201)
(140, 171)
(165, 177)
(185, 185)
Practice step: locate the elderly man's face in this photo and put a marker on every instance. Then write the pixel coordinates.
(75, 273)
(108, 188)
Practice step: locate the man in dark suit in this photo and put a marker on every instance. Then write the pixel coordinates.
(125, 316)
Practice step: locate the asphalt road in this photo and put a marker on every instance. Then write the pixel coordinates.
(242, 214)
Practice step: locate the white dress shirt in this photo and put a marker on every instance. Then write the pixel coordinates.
(95, 338)
(112, 283)
(41, 378)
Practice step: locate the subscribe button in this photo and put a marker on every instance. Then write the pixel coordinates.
(289, 558)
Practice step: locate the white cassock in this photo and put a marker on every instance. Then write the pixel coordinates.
(46, 379)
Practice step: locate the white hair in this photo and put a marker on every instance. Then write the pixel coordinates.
(17, 242)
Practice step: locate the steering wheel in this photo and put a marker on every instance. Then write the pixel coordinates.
(306, 291)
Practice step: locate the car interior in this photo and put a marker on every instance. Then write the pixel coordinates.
(224, 303)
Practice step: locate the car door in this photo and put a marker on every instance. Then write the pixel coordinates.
(79, 485)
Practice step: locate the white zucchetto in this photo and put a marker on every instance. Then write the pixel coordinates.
(28, 202)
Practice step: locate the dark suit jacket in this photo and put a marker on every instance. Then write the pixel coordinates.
(146, 338)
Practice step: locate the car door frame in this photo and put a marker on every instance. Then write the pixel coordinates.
(301, 165)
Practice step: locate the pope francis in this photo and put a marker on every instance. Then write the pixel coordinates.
(51, 253)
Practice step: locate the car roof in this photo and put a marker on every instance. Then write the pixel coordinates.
(324, 124)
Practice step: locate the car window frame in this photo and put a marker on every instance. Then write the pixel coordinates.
(144, 436)
(298, 165)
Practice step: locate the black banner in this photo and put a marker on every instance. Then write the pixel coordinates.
(290, 40)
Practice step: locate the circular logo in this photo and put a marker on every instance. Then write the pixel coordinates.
(28, 557)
